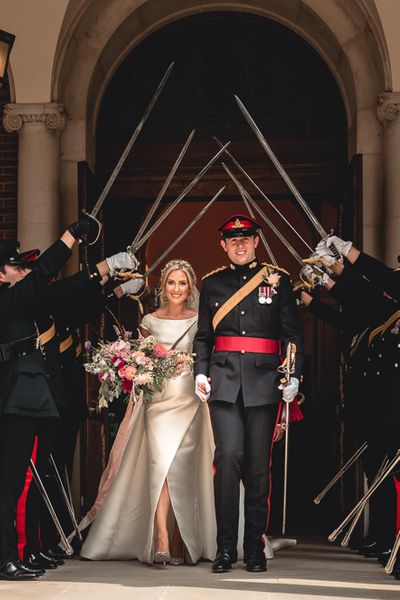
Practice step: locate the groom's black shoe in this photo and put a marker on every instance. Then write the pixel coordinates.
(222, 562)
(256, 562)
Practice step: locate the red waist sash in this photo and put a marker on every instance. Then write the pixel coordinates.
(246, 344)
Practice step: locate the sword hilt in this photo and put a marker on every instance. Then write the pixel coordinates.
(99, 228)
(335, 252)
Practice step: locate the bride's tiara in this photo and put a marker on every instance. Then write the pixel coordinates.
(178, 264)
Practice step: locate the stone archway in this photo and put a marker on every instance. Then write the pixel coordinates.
(96, 38)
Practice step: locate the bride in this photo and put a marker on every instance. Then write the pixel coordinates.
(159, 477)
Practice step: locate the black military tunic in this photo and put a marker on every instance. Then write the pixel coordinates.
(364, 307)
(72, 301)
(25, 398)
(377, 272)
(255, 373)
(244, 392)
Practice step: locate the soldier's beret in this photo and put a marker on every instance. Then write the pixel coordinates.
(11, 255)
(239, 226)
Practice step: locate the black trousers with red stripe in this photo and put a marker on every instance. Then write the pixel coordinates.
(17, 435)
(243, 440)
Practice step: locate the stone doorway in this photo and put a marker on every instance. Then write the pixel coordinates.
(296, 102)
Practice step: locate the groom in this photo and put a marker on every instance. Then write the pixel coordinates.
(247, 315)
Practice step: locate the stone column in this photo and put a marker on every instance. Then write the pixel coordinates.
(388, 114)
(38, 127)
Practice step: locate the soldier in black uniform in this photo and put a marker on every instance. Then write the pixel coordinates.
(364, 307)
(27, 406)
(26, 403)
(238, 346)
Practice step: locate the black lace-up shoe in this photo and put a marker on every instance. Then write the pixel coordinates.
(222, 562)
(16, 571)
(256, 562)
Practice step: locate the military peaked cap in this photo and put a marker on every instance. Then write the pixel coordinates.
(239, 226)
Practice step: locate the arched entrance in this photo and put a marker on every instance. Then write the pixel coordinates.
(358, 102)
(274, 71)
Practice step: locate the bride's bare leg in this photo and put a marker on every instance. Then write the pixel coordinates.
(162, 542)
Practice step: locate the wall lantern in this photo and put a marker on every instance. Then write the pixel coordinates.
(6, 43)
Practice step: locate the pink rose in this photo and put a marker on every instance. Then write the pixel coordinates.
(121, 372)
(130, 372)
(160, 351)
(139, 357)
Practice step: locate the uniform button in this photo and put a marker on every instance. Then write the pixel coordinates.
(216, 303)
(244, 276)
(398, 345)
(242, 312)
(47, 375)
(369, 359)
(396, 365)
(377, 373)
(380, 355)
(364, 374)
(243, 332)
(24, 354)
(242, 351)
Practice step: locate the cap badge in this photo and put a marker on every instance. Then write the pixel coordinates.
(238, 224)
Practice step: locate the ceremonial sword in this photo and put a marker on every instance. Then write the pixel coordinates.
(184, 193)
(260, 233)
(130, 275)
(43, 492)
(259, 190)
(132, 248)
(285, 176)
(341, 472)
(125, 153)
(309, 275)
(287, 368)
(64, 494)
(389, 468)
(184, 232)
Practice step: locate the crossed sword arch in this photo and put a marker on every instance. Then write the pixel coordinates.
(310, 274)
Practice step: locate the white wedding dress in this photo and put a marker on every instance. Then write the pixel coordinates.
(169, 438)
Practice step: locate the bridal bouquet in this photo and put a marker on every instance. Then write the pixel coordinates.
(134, 367)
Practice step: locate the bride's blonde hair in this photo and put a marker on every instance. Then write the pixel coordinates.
(192, 301)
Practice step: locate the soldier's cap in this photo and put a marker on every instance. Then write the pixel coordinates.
(11, 255)
(239, 226)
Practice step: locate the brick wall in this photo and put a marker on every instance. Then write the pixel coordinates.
(8, 177)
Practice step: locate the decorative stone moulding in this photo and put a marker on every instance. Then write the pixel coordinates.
(388, 106)
(51, 113)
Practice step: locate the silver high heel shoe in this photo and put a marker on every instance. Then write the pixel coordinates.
(177, 561)
(162, 558)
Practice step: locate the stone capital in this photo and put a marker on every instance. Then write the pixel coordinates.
(52, 114)
(388, 106)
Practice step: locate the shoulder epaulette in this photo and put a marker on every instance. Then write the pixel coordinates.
(390, 321)
(276, 268)
(215, 271)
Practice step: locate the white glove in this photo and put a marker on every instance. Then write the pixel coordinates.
(290, 390)
(122, 260)
(323, 248)
(132, 286)
(202, 380)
